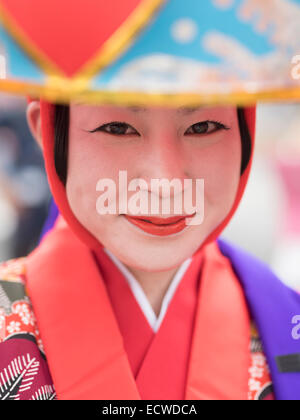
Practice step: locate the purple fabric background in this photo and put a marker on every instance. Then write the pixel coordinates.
(52, 216)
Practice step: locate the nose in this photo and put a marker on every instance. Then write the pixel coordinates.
(164, 159)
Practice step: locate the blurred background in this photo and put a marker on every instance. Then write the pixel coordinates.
(24, 193)
(267, 223)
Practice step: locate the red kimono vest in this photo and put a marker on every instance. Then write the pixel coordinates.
(202, 352)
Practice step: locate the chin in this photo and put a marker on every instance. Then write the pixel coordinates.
(151, 261)
(153, 268)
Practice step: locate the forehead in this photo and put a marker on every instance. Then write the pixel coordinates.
(151, 110)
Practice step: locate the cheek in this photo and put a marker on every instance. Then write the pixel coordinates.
(219, 166)
(88, 165)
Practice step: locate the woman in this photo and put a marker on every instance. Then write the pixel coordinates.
(151, 306)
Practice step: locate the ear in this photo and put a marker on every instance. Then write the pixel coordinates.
(33, 114)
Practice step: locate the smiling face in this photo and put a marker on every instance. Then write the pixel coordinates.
(152, 143)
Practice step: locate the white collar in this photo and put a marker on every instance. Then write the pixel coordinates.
(140, 295)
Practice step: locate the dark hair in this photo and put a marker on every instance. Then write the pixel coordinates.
(245, 138)
(61, 141)
(61, 134)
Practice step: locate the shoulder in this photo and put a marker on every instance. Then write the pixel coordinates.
(264, 291)
(240, 257)
(16, 314)
(249, 267)
(270, 300)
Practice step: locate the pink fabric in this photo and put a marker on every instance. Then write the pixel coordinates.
(289, 171)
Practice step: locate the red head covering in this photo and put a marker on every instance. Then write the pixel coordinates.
(59, 192)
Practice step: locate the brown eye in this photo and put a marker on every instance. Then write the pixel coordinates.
(206, 127)
(117, 129)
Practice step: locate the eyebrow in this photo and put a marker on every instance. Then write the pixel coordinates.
(188, 110)
(137, 109)
(181, 110)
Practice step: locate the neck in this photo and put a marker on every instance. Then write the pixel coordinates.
(154, 285)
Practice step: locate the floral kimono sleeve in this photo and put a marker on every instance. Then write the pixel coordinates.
(24, 374)
(260, 385)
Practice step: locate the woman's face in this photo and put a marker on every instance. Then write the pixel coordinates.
(152, 143)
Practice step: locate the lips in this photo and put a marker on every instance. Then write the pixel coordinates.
(159, 226)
